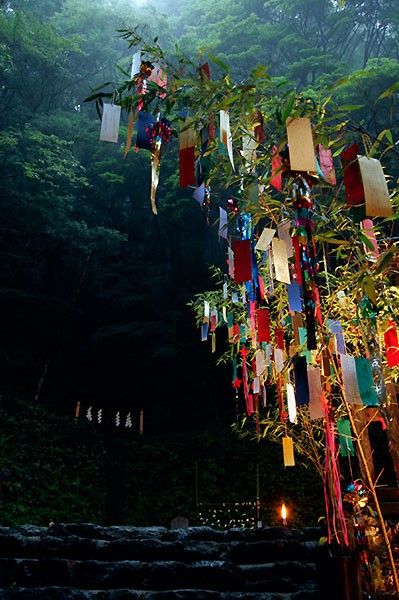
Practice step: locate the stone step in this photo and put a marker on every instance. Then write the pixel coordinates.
(59, 593)
(97, 532)
(213, 575)
(16, 545)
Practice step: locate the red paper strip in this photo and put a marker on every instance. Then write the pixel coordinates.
(261, 287)
(263, 317)
(259, 132)
(277, 165)
(392, 345)
(242, 261)
(279, 338)
(354, 192)
(186, 167)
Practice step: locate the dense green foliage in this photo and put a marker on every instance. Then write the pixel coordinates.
(93, 288)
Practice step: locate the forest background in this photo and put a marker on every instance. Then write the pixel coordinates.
(94, 289)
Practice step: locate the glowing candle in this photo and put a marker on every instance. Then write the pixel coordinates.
(284, 514)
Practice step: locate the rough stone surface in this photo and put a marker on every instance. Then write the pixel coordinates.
(90, 562)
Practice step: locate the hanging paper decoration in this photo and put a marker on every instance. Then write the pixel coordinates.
(288, 452)
(301, 380)
(291, 403)
(365, 382)
(129, 133)
(391, 345)
(349, 379)
(368, 229)
(294, 297)
(327, 164)
(345, 437)
(300, 145)
(223, 223)
(187, 157)
(110, 123)
(316, 401)
(265, 239)
(225, 135)
(249, 145)
(136, 64)
(242, 261)
(354, 192)
(378, 203)
(263, 321)
(283, 230)
(280, 260)
(155, 167)
(259, 132)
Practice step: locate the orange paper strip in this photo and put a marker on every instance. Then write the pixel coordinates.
(378, 203)
(288, 452)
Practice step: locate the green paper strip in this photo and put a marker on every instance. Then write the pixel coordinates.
(345, 437)
(230, 319)
(303, 339)
(365, 382)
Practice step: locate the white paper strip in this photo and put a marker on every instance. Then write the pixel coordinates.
(260, 361)
(225, 135)
(256, 385)
(280, 260)
(279, 359)
(351, 388)
(284, 234)
(199, 194)
(136, 63)
(110, 123)
(291, 402)
(265, 238)
(222, 223)
(206, 309)
(249, 145)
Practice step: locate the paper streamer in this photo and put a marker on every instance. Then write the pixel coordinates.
(223, 223)
(225, 135)
(265, 239)
(301, 380)
(378, 203)
(365, 382)
(242, 261)
(368, 229)
(279, 359)
(155, 168)
(354, 192)
(280, 260)
(295, 301)
(345, 437)
(260, 363)
(291, 403)
(283, 229)
(316, 408)
(288, 452)
(136, 64)
(391, 345)
(349, 378)
(300, 145)
(263, 320)
(144, 127)
(110, 123)
(187, 158)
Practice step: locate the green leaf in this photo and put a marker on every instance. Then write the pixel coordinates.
(386, 259)
(219, 62)
(363, 238)
(389, 92)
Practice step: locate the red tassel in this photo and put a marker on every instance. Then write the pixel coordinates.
(263, 317)
(242, 261)
(354, 192)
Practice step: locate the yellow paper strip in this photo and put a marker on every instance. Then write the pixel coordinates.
(376, 192)
(288, 452)
(300, 145)
(265, 238)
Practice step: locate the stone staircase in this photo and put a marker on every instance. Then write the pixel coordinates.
(90, 562)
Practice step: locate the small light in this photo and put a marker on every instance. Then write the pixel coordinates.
(284, 514)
